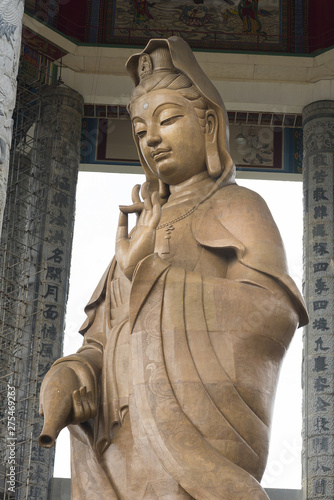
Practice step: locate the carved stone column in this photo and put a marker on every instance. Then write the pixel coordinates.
(318, 365)
(55, 163)
(41, 291)
(11, 12)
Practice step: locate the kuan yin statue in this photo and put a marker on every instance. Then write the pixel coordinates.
(171, 395)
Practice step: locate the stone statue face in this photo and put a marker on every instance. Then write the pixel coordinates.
(171, 138)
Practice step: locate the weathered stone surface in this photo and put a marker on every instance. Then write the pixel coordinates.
(11, 13)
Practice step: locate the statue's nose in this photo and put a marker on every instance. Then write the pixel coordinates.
(153, 137)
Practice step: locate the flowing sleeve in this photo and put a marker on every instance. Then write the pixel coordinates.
(237, 218)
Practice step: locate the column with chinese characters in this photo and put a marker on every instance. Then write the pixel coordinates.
(53, 179)
(318, 365)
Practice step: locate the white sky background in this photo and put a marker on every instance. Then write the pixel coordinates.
(98, 197)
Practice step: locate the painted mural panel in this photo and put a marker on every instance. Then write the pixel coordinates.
(248, 24)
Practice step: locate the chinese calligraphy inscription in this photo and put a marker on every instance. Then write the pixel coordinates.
(319, 293)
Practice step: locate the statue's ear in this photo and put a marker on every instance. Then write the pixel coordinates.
(213, 162)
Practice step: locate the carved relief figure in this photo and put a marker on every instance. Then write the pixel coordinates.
(10, 18)
(171, 395)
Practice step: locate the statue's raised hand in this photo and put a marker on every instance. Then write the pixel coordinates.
(131, 250)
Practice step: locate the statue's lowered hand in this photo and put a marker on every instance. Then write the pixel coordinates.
(63, 402)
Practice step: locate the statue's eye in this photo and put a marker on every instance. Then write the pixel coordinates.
(170, 120)
(140, 134)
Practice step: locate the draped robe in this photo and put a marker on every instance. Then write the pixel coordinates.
(184, 359)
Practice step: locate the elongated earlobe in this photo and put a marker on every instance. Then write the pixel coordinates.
(213, 162)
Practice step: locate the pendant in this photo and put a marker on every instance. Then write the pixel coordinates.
(169, 227)
(166, 249)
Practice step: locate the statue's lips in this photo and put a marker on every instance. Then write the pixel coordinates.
(160, 154)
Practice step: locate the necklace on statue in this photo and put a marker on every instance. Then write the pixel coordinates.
(169, 227)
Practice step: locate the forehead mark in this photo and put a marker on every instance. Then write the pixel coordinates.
(145, 105)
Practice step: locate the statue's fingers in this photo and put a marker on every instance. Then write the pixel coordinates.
(122, 229)
(155, 199)
(147, 203)
(136, 208)
(156, 212)
(78, 411)
(144, 190)
(86, 410)
(83, 392)
(93, 409)
(123, 220)
(135, 194)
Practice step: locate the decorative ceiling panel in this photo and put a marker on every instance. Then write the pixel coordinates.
(233, 25)
(209, 24)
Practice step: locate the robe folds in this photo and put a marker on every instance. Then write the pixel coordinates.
(184, 364)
